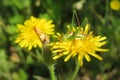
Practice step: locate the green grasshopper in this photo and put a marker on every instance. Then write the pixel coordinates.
(71, 35)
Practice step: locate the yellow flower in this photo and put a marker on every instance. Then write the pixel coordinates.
(34, 32)
(83, 45)
(115, 5)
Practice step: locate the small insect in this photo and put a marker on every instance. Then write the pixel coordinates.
(74, 35)
(43, 37)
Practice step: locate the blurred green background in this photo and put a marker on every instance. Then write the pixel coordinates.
(18, 64)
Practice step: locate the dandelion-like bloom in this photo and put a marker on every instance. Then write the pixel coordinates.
(115, 5)
(83, 45)
(34, 32)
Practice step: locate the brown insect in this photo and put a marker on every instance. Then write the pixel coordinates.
(42, 36)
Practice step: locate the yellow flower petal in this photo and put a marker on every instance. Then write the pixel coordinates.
(79, 47)
(115, 5)
(101, 39)
(58, 56)
(30, 33)
(86, 29)
(68, 57)
(103, 50)
(87, 57)
(96, 56)
(81, 60)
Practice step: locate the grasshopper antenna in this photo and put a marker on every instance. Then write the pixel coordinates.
(77, 18)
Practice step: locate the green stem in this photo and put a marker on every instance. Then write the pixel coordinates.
(52, 72)
(73, 18)
(34, 55)
(106, 10)
(77, 67)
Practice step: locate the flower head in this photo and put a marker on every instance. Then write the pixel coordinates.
(115, 5)
(34, 32)
(81, 45)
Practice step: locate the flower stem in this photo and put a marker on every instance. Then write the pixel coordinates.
(107, 10)
(52, 72)
(77, 67)
(34, 55)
